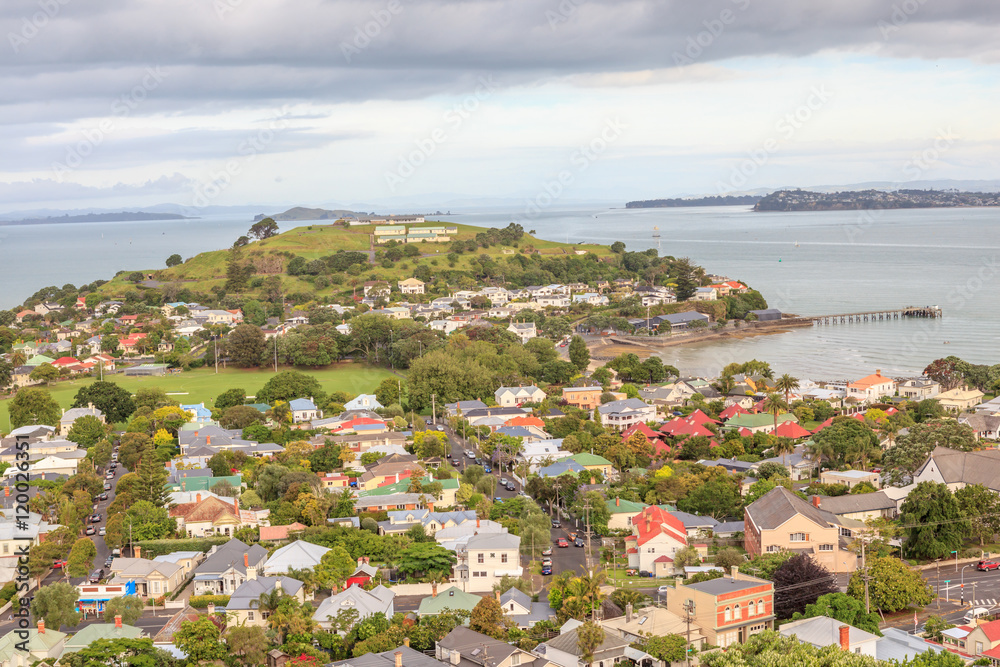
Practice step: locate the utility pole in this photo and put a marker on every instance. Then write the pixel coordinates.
(215, 344)
(688, 613)
(865, 577)
(937, 580)
(433, 410)
(275, 351)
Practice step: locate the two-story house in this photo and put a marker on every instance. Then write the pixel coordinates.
(782, 521)
(225, 568)
(508, 397)
(728, 610)
(304, 410)
(656, 537)
(623, 414)
(919, 389)
(485, 559)
(871, 388)
(585, 398)
(411, 286)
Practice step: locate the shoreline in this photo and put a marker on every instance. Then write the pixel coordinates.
(652, 344)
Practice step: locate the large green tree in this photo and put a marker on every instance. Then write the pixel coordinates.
(230, 398)
(579, 355)
(488, 617)
(853, 442)
(935, 524)
(33, 405)
(426, 559)
(56, 605)
(152, 479)
(115, 402)
(288, 385)
(129, 607)
(146, 521)
(246, 345)
(844, 608)
(87, 431)
(81, 557)
(119, 653)
(982, 508)
(200, 640)
(892, 585)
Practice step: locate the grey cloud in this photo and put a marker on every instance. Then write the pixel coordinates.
(43, 189)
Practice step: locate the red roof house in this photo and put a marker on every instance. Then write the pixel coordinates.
(791, 430)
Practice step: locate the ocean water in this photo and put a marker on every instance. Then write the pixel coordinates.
(803, 263)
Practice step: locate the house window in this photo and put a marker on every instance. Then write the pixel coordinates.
(728, 615)
(515, 660)
(771, 548)
(249, 615)
(503, 558)
(760, 607)
(493, 556)
(845, 532)
(736, 613)
(750, 608)
(826, 547)
(481, 558)
(798, 537)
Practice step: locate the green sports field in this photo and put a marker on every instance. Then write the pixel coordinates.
(203, 385)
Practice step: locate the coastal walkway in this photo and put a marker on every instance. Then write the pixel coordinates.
(873, 315)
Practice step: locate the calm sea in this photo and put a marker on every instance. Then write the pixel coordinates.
(803, 263)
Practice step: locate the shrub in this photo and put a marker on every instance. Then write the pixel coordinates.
(202, 601)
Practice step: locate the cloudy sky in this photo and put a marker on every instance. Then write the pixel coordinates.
(112, 103)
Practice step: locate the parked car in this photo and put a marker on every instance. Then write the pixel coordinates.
(107, 487)
(58, 565)
(663, 590)
(556, 523)
(510, 486)
(547, 551)
(977, 612)
(986, 565)
(448, 455)
(103, 496)
(90, 530)
(487, 468)
(546, 561)
(108, 561)
(546, 569)
(95, 518)
(578, 542)
(102, 531)
(96, 576)
(562, 543)
(110, 475)
(503, 481)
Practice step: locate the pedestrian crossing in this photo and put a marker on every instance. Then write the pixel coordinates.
(985, 602)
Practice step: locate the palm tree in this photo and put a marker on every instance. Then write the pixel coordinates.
(783, 447)
(787, 384)
(18, 358)
(775, 405)
(725, 384)
(817, 450)
(268, 603)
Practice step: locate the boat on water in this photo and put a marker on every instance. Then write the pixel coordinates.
(656, 232)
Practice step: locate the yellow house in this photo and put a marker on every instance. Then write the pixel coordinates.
(960, 398)
(211, 516)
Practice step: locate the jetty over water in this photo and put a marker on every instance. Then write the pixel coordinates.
(873, 315)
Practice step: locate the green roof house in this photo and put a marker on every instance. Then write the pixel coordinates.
(761, 423)
(38, 360)
(594, 462)
(92, 633)
(452, 598)
(41, 644)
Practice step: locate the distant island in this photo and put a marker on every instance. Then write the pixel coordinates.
(302, 213)
(123, 216)
(728, 200)
(803, 200)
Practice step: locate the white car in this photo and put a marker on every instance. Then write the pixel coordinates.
(662, 590)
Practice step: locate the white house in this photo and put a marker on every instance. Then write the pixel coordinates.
(486, 559)
(656, 537)
(304, 410)
(523, 330)
(620, 415)
(508, 397)
(363, 402)
(411, 286)
(70, 416)
(355, 598)
(871, 388)
(823, 631)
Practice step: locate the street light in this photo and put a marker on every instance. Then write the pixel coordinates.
(963, 583)
(956, 560)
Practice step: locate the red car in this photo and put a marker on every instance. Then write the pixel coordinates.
(562, 543)
(58, 565)
(985, 565)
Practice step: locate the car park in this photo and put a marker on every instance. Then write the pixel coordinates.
(562, 543)
(987, 565)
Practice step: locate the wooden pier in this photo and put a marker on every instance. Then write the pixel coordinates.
(873, 315)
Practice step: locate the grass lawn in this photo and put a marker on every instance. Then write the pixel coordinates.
(203, 385)
(619, 579)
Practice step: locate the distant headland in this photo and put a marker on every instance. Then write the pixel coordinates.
(122, 216)
(803, 200)
(726, 200)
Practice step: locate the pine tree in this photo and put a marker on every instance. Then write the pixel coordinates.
(152, 479)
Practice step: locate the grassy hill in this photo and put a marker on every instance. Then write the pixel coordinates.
(203, 385)
(208, 270)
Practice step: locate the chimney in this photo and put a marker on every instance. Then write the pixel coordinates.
(137, 552)
(211, 609)
(277, 584)
(406, 642)
(815, 500)
(434, 589)
(618, 502)
(41, 627)
(477, 522)
(251, 573)
(184, 486)
(197, 498)
(208, 440)
(246, 560)
(734, 572)
(236, 507)
(845, 637)
(878, 372)
(118, 621)
(628, 612)
(399, 658)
